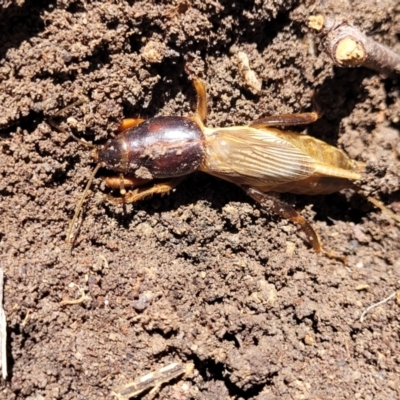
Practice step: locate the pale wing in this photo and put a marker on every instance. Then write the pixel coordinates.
(257, 157)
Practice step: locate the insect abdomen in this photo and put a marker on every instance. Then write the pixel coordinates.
(319, 150)
(314, 185)
(334, 169)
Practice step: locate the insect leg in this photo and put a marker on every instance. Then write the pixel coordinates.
(115, 182)
(141, 193)
(129, 123)
(286, 120)
(201, 109)
(288, 212)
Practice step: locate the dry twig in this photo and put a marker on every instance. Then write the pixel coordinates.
(26, 319)
(153, 380)
(349, 47)
(3, 330)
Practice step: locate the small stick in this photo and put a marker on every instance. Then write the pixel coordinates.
(376, 305)
(3, 330)
(349, 47)
(26, 319)
(153, 380)
(81, 299)
(78, 209)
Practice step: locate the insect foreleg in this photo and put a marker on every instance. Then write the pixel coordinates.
(127, 181)
(141, 193)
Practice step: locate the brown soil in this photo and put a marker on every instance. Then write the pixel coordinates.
(202, 275)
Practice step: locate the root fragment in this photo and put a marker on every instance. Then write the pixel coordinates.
(81, 299)
(376, 305)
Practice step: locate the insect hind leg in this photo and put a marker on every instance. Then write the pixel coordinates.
(286, 211)
(201, 91)
(286, 120)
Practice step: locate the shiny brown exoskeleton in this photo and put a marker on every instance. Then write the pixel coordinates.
(162, 147)
(154, 156)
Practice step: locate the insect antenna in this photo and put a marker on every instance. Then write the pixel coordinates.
(79, 206)
(58, 127)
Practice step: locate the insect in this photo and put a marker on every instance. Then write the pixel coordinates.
(154, 156)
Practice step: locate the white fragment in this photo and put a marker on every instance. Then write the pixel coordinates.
(392, 296)
(248, 74)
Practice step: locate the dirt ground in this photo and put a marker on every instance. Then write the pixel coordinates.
(202, 275)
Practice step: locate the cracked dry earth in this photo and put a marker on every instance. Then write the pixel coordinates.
(202, 275)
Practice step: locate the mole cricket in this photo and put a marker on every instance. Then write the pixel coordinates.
(154, 156)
